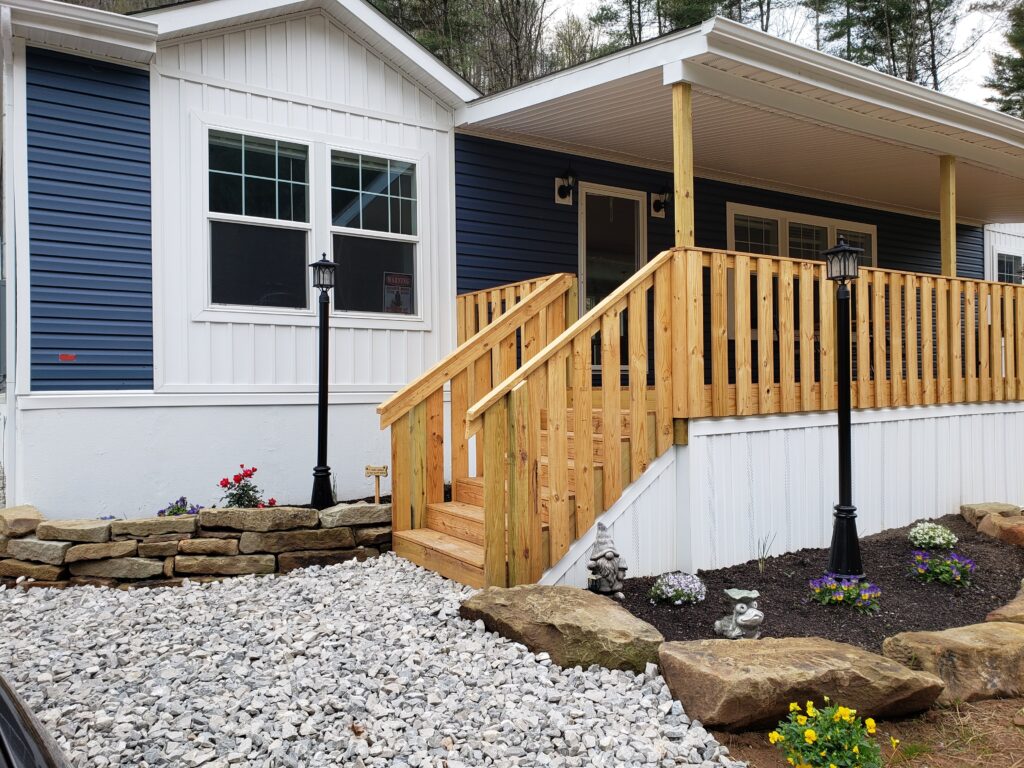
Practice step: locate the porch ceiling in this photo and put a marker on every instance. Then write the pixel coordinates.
(754, 124)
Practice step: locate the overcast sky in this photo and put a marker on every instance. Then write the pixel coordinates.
(964, 80)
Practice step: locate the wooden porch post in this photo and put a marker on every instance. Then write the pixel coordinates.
(947, 213)
(682, 162)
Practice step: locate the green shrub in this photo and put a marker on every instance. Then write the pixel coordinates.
(831, 737)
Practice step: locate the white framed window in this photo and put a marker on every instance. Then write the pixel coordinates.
(783, 233)
(258, 213)
(374, 233)
(274, 203)
(1009, 268)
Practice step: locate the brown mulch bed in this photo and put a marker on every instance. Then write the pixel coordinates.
(982, 735)
(906, 604)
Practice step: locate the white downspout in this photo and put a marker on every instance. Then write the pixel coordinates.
(7, 245)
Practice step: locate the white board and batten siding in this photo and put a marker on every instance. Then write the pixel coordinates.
(743, 481)
(300, 78)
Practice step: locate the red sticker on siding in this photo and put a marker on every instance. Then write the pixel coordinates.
(67, 357)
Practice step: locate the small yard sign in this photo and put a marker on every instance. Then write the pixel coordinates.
(376, 472)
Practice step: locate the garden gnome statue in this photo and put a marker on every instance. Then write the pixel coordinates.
(607, 568)
(745, 619)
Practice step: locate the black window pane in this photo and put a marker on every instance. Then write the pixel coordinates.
(375, 212)
(225, 152)
(257, 266)
(291, 162)
(291, 202)
(260, 198)
(374, 175)
(403, 214)
(374, 275)
(344, 170)
(402, 175)
(225, 193)
(260, 157)
(345, 208)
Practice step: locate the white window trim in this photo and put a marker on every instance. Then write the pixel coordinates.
(785, 218)
(320, 229)
(996, 253)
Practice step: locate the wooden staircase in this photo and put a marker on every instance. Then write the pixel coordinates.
(452, 539)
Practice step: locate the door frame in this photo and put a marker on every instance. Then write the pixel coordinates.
(586, 187)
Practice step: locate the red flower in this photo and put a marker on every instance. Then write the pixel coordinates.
(237, 478)
(247, 472)
(241, 466)
(224, 483)
(272, 502)
(260, 505)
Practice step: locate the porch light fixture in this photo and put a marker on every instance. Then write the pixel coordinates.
(567, 184)
(842, 265)
(660, 200)
(323, 278)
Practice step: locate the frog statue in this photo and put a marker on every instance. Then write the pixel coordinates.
(606, 566)
(745, 620)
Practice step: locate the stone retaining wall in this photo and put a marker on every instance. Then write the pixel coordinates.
(163, 551)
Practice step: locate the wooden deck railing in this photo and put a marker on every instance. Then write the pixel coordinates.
(415, 414)
(733, 335)
(475, 311)
(556, 390)
(917, 339)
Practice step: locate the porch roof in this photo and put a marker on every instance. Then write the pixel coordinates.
(774, 114)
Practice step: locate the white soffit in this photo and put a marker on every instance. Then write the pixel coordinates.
(360, 17)
(86, 30)
(753, 125)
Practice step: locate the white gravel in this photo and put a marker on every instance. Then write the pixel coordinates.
(361, 664)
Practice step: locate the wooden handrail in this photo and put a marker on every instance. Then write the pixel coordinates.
(474, 415)
(478, 309)
(477, 345)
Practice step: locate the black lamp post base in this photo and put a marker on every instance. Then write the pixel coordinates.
(844, 556)
(323, 496)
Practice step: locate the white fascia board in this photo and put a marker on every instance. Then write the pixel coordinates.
(76, 27)
(364, 20)
(787, 102)
(735, 41)
(630, 61)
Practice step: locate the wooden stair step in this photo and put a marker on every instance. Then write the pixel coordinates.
(451, 557)
(469, 490)
(458, 519)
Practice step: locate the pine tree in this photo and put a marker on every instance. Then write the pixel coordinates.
(1007, 78)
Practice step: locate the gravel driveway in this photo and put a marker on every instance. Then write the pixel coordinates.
(361, 664)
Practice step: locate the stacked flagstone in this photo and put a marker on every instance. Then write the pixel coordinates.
(162, 551)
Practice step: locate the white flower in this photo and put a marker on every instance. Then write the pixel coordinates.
(678, 588)
(931, 536)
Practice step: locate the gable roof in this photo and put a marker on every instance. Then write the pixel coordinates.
(180, 19)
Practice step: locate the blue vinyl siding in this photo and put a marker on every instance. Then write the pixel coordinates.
(508, 226)
(89, 224)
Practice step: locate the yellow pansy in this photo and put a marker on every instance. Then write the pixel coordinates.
(810, 736)
(811, 710)
(894, 741)
(794, 707)
(855, 750)
(775, 737)
(870, 725)
(801, 720)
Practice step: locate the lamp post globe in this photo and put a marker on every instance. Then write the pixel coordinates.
(842, 266)
(323, 278)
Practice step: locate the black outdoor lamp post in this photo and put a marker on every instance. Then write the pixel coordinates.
(843, 263)
(323, 278)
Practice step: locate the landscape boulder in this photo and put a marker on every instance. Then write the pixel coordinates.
(101, 551)
(3, 546)
(19, 521)
(43, 572)
(372, 536)
(294, 541)
(31, 548)
(260, 520)
(158, 548)
(289, 561)
(975, 513)
(979, 661)
(743, 684)
(154, 526)
(208, 547)
(574, 626)
(223, 566)
(359, 513)
(119, 568)
(1006, 529)
(86, 531)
